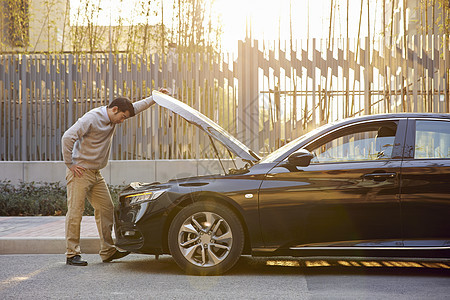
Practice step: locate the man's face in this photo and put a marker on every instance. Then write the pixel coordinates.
(119, 116)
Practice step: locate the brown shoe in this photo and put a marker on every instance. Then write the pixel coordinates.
(118, 254)
(76, 261)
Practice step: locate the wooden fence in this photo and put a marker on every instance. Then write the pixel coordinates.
(268, 95)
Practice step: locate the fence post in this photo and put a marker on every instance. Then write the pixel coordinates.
(367, 78)
(240, 133)
(69, 85)
(110, 77)
(23, 96)
(447, 70)
(248, 93)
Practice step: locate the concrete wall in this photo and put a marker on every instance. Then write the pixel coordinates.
(116, 172)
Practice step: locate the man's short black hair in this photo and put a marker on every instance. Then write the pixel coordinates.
(123, 104)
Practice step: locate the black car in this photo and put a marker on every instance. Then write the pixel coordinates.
(376, 185)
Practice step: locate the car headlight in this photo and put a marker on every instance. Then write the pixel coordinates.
(144, 197)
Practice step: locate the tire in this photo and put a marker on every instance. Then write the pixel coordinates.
(206, 238)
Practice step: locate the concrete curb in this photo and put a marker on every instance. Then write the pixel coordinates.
(45, 245)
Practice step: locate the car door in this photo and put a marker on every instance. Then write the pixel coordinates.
(425, 193)
(347, 196)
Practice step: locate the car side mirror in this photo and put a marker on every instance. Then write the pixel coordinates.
(300, 158)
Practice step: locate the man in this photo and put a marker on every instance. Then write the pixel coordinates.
(86, 147)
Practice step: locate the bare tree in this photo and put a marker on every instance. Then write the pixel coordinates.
(16, 18)
(87, 35)
(434, 17)
(196, 30)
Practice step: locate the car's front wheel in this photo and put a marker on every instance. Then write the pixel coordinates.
(206, 238)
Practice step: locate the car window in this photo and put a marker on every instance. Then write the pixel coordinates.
(361, 143)
(274, 156)
(432, 139)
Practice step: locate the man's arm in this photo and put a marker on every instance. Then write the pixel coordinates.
(141, 105)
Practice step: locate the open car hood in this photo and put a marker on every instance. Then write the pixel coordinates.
(206, 124)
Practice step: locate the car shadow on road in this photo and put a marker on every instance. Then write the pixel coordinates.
(248, 265)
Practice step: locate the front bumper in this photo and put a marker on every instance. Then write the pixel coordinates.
(128, 236)
(140, 228)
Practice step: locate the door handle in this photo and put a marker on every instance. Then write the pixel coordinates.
(379, 176)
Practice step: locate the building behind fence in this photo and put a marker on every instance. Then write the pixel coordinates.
(266, 96)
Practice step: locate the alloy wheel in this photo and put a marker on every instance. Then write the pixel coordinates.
(205, 239)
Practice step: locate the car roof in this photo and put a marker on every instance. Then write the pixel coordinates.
(390, 116)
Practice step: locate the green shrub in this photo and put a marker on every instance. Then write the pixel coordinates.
(40, 199)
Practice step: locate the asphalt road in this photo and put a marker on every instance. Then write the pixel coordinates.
(143, 277)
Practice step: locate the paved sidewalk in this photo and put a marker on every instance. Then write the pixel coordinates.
(43, 235)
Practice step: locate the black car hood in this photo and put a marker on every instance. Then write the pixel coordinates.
(206, 124)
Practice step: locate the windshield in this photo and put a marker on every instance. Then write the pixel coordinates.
(274, 156)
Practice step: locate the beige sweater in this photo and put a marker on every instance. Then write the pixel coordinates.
(88, 142)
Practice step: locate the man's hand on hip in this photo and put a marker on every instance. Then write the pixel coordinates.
(77, 170)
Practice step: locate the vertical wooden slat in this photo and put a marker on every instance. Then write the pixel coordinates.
(202, 103)
(314, 84)
(386, 77)
(52, 101)
(61, 104)
(38, 106)
(170, 77)
(156, 112)
(65, 98)
(8, 110)
(433, 76)
(254, 88)
(46, 145)
(113, 75)
(139, 96)
(440, 75)
(144, 94)
(415, 100)
(367, 79)
(23, 100)
(395, 76)
(70, 91)
(403, 74)
(15, 145)
(196, 98)
(135, 96)
(42, 116)
(77, 89)
(167, 129)
(3, 101)
(446, 71)
(428, 85)
(422, 98)
(33, 108)
(409, 65)
(151, 130)
(90, 82)
(122, 92)
(179, 88)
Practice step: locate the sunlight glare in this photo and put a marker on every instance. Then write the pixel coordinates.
(268, 20)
